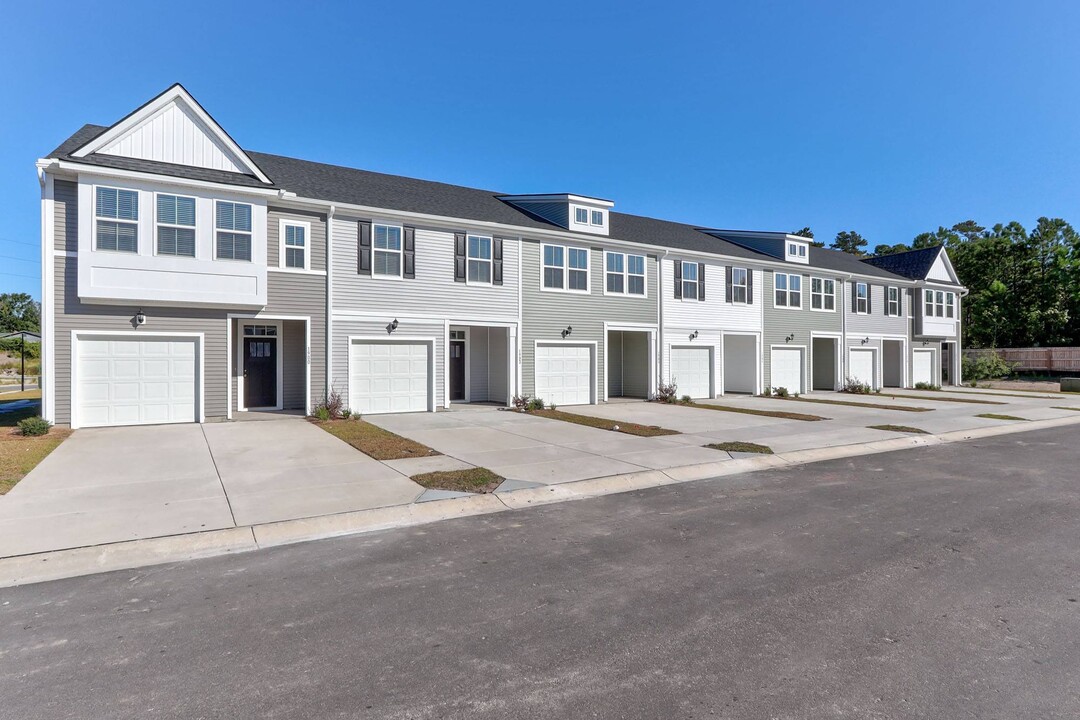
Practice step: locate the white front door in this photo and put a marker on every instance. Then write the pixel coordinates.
(389, 377)
(787, 369)
(861, 366)
(135, 381)
(922, 367)
(691, 371)
(564, 374)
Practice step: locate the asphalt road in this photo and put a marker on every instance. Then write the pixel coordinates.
(938, 583)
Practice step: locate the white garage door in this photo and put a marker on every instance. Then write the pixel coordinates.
(691, 370)
(861, 366)
(787, 366)
(129, 381)
(922, 366)
(564, 374)
(389, 377)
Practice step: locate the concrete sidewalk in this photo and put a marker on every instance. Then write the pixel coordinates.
(122, 497)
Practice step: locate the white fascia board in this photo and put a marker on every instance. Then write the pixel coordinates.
(155, 106)
(91, 169)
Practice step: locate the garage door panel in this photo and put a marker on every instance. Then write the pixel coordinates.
(787, 366)
(564, 374)
(861, 366)
(691, 370)
(135, 381)
(389, 377)
(922, 368)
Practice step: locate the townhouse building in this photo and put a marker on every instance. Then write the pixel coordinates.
(186, 279)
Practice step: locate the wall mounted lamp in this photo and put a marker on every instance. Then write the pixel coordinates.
(569, 329)
(694, 335)
(392, 326)
(865, 340)
(140, 318)
(790, 337)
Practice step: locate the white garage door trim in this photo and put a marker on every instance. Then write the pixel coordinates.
(915, 378)
(860, 353)
(758, 360)
(200, 374)
(781, 349)
(428, 342)
(695, 389)
(539, 390)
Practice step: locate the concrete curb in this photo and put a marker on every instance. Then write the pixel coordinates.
(41, 567)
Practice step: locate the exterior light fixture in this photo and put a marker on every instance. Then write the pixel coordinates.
(790, 337)
(693, 335)
(569, 329)
(865, 340)
(392, 326)
(140, 318)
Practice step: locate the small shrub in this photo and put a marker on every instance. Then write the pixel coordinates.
(926, 386)
(346, 414)
(686, 399)
(666, 392)
(856, 387)
(552, 406)
(988, 366)
(521, 402)
(781, 392)
(536, 404)
(767, 392)
(321, 413)
(34, 426)
(331, 408)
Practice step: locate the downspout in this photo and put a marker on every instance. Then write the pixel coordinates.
(843, 360)
(329, 349)
(660, 320)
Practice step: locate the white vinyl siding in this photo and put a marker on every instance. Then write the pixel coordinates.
(116, 213)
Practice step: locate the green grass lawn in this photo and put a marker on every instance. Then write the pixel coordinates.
(995, 416)
(472, 480)
(604, 424)
(745, 447)
(754, 411)
(372, 440)
(855, 403)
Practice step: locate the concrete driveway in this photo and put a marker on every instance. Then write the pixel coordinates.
(109, 485)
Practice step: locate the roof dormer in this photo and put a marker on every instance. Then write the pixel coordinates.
(577, 213)
(782, 246)
(797, 251)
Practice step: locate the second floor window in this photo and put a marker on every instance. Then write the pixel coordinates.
(296, 246)
(690, 280)
(788, 291)
(625, 274)
(939, 303)
(581, 215)
(479, 259)
(950, 301)
(232, 223)
(739, 285)
(822, 294)
(892, 307)
(176, 225)
(566, 268)
(862, 298)
(597, 217)
(116, 219)
(386, 251)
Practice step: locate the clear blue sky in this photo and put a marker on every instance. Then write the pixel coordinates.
(889, 119)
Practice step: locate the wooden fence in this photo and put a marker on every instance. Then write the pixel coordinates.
(1046, 359)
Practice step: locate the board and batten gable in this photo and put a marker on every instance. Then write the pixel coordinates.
(799, 324)
(546, 314)
(424, 306)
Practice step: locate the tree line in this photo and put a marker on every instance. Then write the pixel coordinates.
(1024, 285)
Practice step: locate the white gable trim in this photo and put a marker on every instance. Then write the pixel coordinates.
(179, 97)
(942, 264)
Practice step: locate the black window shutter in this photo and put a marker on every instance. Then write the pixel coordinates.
(869, 294)
(364, 249)
(410, 254)
(749, 286)
(496, 261)
(678, 280)
(701, 281)
(854, 297)
(727, 272)
(459, 257)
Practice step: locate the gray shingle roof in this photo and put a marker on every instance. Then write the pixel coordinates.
(335, 183)
(913, 264)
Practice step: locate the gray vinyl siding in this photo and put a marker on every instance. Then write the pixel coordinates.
(782, 322)
(635, 365)
(478, 347)
(66, 215)
(72, 314)
(546, 314)
(497, 365)
(408, 329)
(316, 243)
(304, 295)
(292, 366)
(876, 322)
(432, 293)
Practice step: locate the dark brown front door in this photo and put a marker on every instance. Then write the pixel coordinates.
(457, 369)
(260, 372)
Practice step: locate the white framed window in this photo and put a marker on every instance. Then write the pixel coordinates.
(823, 294)
(581, 215)
(793, 249)
(802, 251)
(892, 302)
(739, 285)
(862, 298)
(565, 268)
(294, 247)
(939, 303)
(690, 281)
(479, 259)
(232, 224)
(950, 303)
(175, 225)
(596, 217)
(386, 253)
(928, 298)
(116, 219)
(787, 291)
(624, 274)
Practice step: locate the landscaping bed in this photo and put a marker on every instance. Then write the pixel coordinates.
(744, 447)
(943, 398)
(19, 455)
(853, 403)
(899, 429)
(472, 480)
(995, 416)
(753, 411)
(373, 441)
(604, 424)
